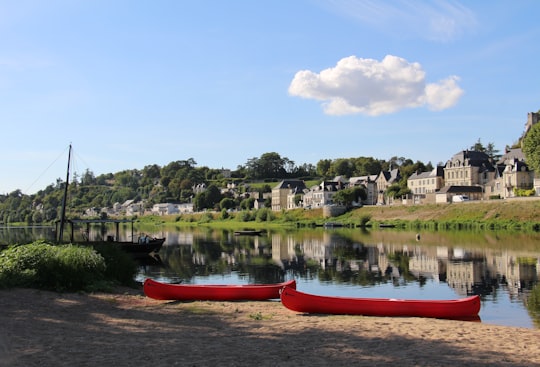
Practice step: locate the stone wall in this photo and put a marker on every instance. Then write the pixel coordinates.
(333, 210)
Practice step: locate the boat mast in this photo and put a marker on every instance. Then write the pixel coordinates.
(63, 213)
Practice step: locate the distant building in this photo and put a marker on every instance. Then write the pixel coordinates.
(321, 194)
(532, 118)
(369, 184)
(512, 173)
(384, 180)
(422, 184)
(281, 192)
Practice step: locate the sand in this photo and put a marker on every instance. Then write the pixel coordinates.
(39, 328)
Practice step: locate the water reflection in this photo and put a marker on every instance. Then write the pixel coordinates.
(24, 235)
(503, 268)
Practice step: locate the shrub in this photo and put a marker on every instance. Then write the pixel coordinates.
(264, 215)
(224, 214)
(524, 192)
(65, 267)
(44, 266)
(246, 216)
(206, 218)
(364, 219)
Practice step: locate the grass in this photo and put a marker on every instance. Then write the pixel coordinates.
(479, 215)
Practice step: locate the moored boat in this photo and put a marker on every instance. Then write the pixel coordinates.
(214, 292)
(248, 232)
(445, 309)
(142, 249)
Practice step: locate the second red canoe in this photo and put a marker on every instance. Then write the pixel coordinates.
(465, 308)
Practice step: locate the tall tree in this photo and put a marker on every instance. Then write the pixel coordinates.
(478, 146)
(492, 152)
(269, 165)
(323, 167)
(531, 148)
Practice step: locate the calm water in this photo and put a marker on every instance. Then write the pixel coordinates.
(503, 268)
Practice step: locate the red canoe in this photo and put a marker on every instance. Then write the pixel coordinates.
(193, 292)
(466, 308)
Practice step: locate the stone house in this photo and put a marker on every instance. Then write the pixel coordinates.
(281, 192)
(198, 188)
(469, 168)
(369, 183)
(132, 208)
(424, 184)
(322, 194)
(512, 173)
(384, 180)
(164, 209)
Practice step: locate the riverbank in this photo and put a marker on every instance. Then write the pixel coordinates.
(510, 214)
(127, 329)
(519, 209)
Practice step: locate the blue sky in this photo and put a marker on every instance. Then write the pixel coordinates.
(133, 83)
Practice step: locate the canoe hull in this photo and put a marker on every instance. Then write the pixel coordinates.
(192, 292)
(445, 309)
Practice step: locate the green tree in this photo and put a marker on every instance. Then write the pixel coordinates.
(489, 149)
(348, 196)
(398, 189)
(269, 165)
(227, 203)
(342, 167)
(247, 204)
(531, 148)
(478, 146)
(323, 167)
(88, 178)
(213, 196)
(365, 166)
(393, 190)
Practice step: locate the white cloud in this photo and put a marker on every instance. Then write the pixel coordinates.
(444, 94)
(374, 87)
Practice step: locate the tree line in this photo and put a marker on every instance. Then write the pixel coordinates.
(176, 182)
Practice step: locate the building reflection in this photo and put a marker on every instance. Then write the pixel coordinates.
(465, 271)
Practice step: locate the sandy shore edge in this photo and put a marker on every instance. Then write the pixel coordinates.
(40, 328)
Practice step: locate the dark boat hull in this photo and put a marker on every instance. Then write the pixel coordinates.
(132, 248)
(142, 248)
(192, 292)
(248, 233)
(446, 309)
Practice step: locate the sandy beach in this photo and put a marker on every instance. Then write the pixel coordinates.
(40, 328)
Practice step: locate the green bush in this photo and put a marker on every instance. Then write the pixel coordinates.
(206, 218)
(524, 192)
(264, 215)
(224, 214)
(65, 267)
(246, 216)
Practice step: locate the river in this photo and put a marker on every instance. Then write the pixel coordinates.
(502, 267)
